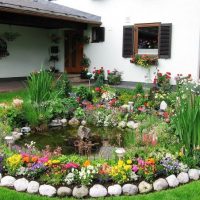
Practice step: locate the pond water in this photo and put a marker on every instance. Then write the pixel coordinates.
(65, 137)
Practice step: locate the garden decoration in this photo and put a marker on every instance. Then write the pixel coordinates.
(9, 141)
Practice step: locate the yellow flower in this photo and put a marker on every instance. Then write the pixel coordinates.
(55, 161)
(129, 162)
(120, 163)
(180, 154)
(127, 167)
(14, 160)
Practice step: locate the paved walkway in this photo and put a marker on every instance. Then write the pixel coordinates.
(8, 86)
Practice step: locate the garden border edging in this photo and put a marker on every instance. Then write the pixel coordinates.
(98, 190)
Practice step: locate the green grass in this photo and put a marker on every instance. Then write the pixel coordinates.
(9, 96)
(190, 191)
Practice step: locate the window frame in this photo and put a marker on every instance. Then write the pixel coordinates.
(135, 37)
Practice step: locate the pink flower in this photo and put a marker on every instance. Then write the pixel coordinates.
(108, 71)
(71, 165)
(135, 168)
(43, 159)
(141, 162)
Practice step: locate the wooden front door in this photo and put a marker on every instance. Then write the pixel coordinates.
(73, 51)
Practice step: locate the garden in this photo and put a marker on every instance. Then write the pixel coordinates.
(100, 140)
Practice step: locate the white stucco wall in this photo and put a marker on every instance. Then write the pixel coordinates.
(183, 14)
(28, 52)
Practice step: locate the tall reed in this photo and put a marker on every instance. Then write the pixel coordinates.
(187, 118)
(40, 86)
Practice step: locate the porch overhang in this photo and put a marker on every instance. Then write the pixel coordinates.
(44, 15)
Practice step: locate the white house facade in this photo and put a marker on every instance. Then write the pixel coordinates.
(36, 22)
(183, 15)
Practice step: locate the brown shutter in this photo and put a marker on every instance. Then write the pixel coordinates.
(127, 50)
(165, 41)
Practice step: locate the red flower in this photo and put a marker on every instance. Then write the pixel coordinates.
(71, 165)
(159, 74)
(108, 71)
(99, 72)
(97, 89)
(168, 73)
(165, 115)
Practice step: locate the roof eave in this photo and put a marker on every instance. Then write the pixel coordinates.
(52, 15)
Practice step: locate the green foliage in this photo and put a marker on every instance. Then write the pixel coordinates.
(99, 81)
(84, 93)
(114, 77)
(79, 113)
(85, 62)
(187, 117)
(40, 86)
(129, 138)
(63, 85)
(138, 89)
(31, 114)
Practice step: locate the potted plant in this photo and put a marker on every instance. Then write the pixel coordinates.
(85, 64)
(114, 77)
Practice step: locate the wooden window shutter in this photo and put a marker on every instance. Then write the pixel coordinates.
(165, 41)
(127, 50)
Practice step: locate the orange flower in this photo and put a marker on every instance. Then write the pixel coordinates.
(34, 159)
(151, 161)
(26, 159)
(86, 163)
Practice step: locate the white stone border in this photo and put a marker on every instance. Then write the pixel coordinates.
(97, 190)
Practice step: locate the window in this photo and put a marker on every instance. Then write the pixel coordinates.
(148, 39)
(98, 34)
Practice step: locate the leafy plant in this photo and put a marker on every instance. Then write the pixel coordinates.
(114, 77)
(84, 93)
(79, 113)
(187, 117)
(64, 85)
(40, 86)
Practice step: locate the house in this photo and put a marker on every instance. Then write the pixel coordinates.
(53, 34)
(39, 33)
(175, 24)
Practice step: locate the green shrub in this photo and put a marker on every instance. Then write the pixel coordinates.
(84, 93)
(138, 89)
(63, 85)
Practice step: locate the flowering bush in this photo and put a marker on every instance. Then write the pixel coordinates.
(122, 172)
(145, 168)
(145, 60)
(99, 72)
(163, 81)
(114, 77)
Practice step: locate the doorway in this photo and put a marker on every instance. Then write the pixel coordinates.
(73, 51)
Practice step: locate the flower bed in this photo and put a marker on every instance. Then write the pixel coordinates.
(153, 158)
(51, 173)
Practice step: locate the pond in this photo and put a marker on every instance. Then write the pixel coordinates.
(66, 136)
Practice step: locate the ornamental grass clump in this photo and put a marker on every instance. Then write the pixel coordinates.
(188, 115)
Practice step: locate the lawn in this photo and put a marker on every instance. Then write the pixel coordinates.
(8, 96)
(190, 191)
